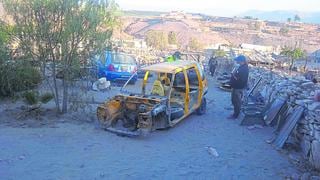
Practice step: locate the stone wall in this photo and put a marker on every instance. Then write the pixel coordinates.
(299, 92)
(308, 134)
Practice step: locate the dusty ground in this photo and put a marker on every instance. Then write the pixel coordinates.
(67, 150)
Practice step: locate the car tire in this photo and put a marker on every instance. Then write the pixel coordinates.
(203, 107)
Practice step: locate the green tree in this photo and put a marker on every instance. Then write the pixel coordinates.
(195, 44)
(292, 54)
(65, 33)
(248, 17)
(289, 20)
(18, 75)
(297, 18)
(4, 40)
(306, 60)
(284, 30)
(172, 38)
(220, 53)
(157, 39)
(257, 26)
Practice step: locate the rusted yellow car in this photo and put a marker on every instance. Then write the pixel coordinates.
(168, 93)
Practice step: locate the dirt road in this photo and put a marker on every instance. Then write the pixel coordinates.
(73, 151)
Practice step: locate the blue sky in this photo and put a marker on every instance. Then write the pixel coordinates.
(220, 7)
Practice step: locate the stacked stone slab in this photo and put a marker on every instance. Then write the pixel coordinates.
(298, 91)
(311, 137)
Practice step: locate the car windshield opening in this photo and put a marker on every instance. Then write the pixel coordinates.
(157, 84)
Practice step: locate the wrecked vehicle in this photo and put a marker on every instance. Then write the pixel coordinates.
(174, 91)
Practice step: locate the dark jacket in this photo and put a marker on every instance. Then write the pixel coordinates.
(239, 79)
(213, 62)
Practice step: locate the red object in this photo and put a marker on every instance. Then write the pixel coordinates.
(317, 96)
(111, 67)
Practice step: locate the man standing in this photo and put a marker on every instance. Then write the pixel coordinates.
(238, 82)
(175, 57)
(212, 65)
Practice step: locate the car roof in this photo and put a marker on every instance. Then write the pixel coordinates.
(169, 67)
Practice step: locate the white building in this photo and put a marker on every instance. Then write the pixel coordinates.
(177, 15)
(257, 47)
(316, 56)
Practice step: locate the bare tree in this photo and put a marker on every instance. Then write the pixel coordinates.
(62, 32)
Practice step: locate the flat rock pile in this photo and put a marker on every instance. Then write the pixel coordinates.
(298, 92)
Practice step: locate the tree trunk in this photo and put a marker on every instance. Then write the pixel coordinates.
(305, 65)
(65, 95)
(43, 67)
(291, 65)
(56, 91)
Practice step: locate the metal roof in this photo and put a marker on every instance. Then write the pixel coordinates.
(168, 67)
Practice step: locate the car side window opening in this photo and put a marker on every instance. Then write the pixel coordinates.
(178, 94)
(179, 80)
(202, 75)
(193, 78)
(194, 87)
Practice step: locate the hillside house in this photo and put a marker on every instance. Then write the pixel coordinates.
(257, 47)
(315, 56)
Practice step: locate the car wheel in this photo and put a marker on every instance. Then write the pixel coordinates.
(203, 107)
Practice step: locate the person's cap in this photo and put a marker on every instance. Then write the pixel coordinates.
(177, 54)
(240, 58)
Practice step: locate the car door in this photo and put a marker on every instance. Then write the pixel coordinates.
(194, 88)
(179, 99)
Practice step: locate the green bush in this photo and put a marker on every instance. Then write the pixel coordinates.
(31, 97)
(16, 77)
(46, 97)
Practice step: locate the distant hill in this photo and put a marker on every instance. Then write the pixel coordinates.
(142, 13)
(306, 17)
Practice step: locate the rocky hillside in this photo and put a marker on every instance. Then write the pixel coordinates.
(185, 30)
(214, 30)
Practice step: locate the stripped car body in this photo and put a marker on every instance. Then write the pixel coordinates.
(176, 90)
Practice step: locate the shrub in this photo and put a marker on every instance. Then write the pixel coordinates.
(16, 77)
(31, 97)
(46, 97)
